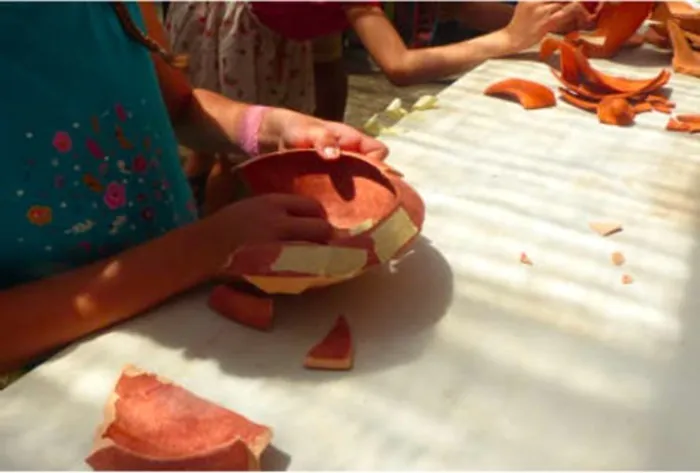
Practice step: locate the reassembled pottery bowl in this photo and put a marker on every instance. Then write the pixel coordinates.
(375, 213)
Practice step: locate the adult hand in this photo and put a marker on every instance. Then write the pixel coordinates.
(294, 131)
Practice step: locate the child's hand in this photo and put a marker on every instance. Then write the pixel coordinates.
(533, 20)
(294, 130)
(264, 219)
(574, 17)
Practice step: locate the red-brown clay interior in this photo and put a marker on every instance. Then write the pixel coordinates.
(350, 189)
(145, 424)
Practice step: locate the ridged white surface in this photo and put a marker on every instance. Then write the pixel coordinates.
(466, 359)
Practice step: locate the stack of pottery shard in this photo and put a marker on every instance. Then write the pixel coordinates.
(671, 25)
(677, 24)
(616, 100)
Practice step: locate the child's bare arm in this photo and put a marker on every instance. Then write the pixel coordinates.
(43, 315)
(403, 66)
(46, 314)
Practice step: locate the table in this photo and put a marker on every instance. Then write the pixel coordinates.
(466, 359)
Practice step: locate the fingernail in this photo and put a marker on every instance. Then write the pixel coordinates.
(331, 152)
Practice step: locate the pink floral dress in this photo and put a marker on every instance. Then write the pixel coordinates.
(231, 52)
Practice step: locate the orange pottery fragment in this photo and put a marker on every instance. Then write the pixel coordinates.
(152, 424)
(531, 95)
(690, 26)
(634, 41)
(689, 119)
(247, 309)
(685, 60)
(617, 23)
(666, 108)
(675, 125)
(660, 99)
(642, 107)
(684, 123)
(615, 99)
(664, 12)
(693, 39)
(548, 46)
(335, 351)
(577, 101)
(657, 36)
(618, 259)
(627, 279)
(615, 111)
(605, 228)
(578, 74)
(682, 11)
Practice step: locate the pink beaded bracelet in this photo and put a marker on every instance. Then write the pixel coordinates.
(250, 129)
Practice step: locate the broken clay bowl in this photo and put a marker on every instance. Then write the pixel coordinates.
(375, 213)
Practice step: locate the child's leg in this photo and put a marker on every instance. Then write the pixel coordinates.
(330, 78)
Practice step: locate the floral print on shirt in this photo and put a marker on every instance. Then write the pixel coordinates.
(98, 202)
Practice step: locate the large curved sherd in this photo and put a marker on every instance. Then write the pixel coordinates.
(529, 94)
(152, 424)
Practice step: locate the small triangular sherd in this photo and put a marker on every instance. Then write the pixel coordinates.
(335, 351)
(605, 228)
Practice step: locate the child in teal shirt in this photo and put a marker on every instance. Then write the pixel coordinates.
(100, 223)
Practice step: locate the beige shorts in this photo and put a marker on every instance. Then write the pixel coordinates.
(328, 48)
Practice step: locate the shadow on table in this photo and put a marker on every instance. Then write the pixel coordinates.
(391, 312)
(644, 57)
(274, 459)
(675, 414)
(675, 423)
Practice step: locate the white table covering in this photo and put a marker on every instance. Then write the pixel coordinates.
(466, 359)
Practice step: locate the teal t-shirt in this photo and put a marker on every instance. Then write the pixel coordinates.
(90, 162)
